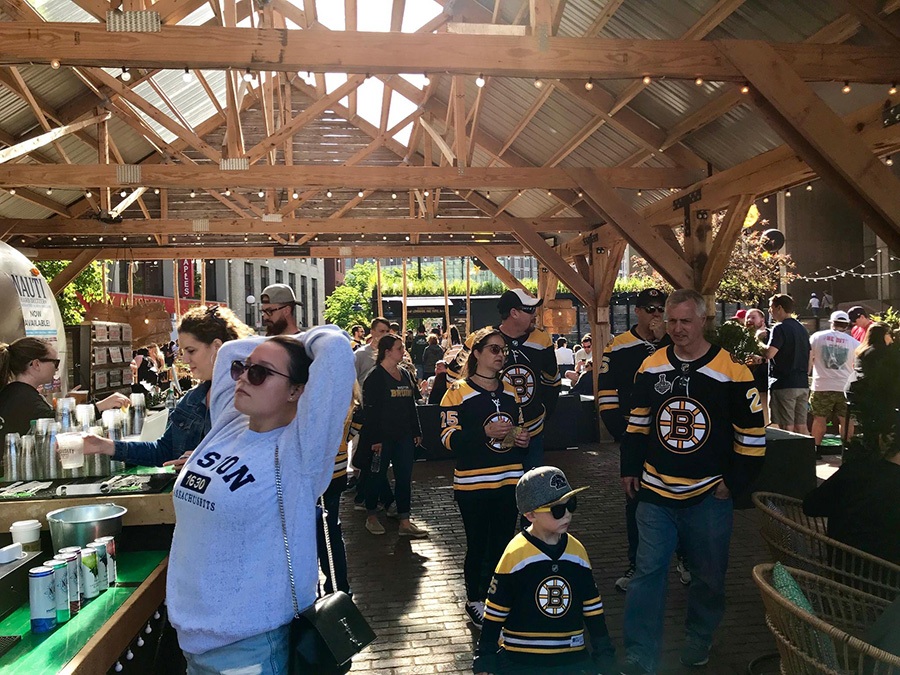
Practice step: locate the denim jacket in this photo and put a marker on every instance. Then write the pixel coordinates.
(188, 423)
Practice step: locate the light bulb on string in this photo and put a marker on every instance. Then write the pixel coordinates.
(393, 195)
(745, 89)
(425, 79)
(646, 79)
(126, 75)
(893, 89)
(248, 76)
(261, 193)
(846, 88)
(589, 84)
(328, 194)
(479, 81)
(360, 194)
(295, 195)
(187, 76)
(538, 83)
(123, 193)
(698, 81)
(889, 161)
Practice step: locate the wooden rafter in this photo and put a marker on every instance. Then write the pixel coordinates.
(723, 245)
(79, 261)
(29, 146)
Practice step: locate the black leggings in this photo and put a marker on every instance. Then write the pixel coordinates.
(490, 522)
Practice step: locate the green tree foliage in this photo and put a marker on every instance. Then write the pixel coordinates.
(88, 286)
(349, 303)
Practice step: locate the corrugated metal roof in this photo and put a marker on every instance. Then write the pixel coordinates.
(61, 10)
(736, 136)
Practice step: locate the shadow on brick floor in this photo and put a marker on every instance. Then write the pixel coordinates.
(412, 591)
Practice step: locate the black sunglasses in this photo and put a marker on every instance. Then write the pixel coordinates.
(652, 309)
(496, 349)
(269, 311)
(527, 310)
(55, 362)
(559, 510)
(256, 374)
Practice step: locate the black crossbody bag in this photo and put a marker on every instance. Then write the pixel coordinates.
(325, 636)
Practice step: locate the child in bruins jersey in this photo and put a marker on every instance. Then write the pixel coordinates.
(543, 595)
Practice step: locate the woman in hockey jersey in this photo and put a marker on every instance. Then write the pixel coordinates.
(481, 423)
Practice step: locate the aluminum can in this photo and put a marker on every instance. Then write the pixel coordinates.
(73, 578)
(76, 550)
(42, 599)
(61, 588)
(111, 569)
(90, 586)
(102, 574)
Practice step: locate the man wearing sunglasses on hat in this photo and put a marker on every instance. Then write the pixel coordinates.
(621, 360)
(530, 366)
(277, 309)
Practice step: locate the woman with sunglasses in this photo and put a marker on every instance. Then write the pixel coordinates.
(390, 433)
(278, 407)
(201, 332)
(481, 423)
(26, 365)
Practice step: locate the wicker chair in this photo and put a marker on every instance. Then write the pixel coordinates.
(829, 641)
(800, 541)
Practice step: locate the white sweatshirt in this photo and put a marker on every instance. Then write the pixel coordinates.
(228, 576)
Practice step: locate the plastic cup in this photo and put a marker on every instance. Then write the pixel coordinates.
(27, 533)
(71, 449)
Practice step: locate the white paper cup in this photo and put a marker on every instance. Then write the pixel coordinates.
(27, 533)
(71, 449)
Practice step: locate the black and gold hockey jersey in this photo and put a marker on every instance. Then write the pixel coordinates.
(693, 425)
(352, 425)
(539, 603)
(531, 370)
(621, 360)
(481, 463)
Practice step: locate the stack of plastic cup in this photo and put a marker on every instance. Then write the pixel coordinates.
(12, 466)
(65, 413)
(85, 415)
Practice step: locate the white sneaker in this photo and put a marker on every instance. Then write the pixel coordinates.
(475, 612)
(622, 581)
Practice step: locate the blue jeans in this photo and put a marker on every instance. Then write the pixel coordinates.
(705, 532)
(332, 499)
(401, 454)
(263, 654)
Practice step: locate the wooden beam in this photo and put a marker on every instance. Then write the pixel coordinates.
(603, 18)
(212, 47)
(504, 275)
(821, 138)
(43, 201)
(634, 230)
(77, 265)
(723, 245)
(320, 176)
(442, 144)
(27, 147)
(867, 12)
(394, 251)
(459, 121)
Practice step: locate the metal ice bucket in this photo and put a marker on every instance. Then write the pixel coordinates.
(80, 525)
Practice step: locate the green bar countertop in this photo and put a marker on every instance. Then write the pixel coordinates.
(49, 652)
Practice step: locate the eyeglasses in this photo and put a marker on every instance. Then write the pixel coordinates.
(527, 310)
(496, 349)
(653, 309)
(256, 374)
(559, 510)
(269, 311)
(55, 362)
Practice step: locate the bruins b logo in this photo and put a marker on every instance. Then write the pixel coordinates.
(522, 379)
(682, 425)
(553, 596)
(495, 444)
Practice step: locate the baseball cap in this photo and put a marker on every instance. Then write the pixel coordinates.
(840, 316)
(855, 312)
(586, 336)
(740, 315)
(516, 299)
(278, 294)
(650, 296)
(543, 486)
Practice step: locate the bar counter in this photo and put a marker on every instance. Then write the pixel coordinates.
(91, 642)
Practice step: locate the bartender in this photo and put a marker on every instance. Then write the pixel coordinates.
(25, 365)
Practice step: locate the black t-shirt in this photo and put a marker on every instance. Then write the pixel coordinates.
(19, 404)
(390, 407)
(419, 343)
(790, 367)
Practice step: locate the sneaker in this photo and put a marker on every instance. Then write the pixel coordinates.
(622, 581)
(630, 667)
(684, 572)
(475, 611)
(412, 531)
(374, 527)
(391, 511)
(694, 656)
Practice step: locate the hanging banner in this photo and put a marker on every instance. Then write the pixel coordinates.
(186, 278)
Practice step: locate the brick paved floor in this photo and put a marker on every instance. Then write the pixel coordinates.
(412, 591)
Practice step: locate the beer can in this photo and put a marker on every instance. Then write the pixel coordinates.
(90, 585)
(73, 579)
(102, 574)
(111, 569)
(61, 588)
(42, 599)
(79, 587)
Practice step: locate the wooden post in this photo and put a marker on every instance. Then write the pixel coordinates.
(403, 308)
(131, 284)
(468, 295)
(446, 297)
(104, 291)
(202, 281)
(176, 289)
(378, 287)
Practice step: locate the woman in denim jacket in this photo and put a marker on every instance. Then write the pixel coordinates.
(201, 332)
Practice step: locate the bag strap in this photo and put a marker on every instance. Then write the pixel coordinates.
(287, 548)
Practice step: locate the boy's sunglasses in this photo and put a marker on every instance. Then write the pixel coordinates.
(496, 349)
(559, 510)
(256, 374)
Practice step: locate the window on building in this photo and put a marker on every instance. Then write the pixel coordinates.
(263, 277)
(249, 316)
(279, 276)
(292, 281)
(304, 313)
(314, 301)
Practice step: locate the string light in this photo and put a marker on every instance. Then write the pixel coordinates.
(787, 193)
(640, 192)
(589, 84)
(227, 192)
(646, 79)
(123, 193)
(889, 161)
(360, 194)
(295, 195)
(479, 81)
(427, 79)
(488, 194)
(745, 89)
(538, 83)
(54, 63)
(426, 193)
(765, 200)
(261, 193)
(698, 81)
(580, 194)
(156, 191)
(193, 193)
(126, 75)
(187, 76)
(328, 193)
(893, 89)
(393, 195)
(846, 88)
(88, 194)
(248, 76)
(49, 191)
(829, 273)
(809, 187)
(12, 191)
